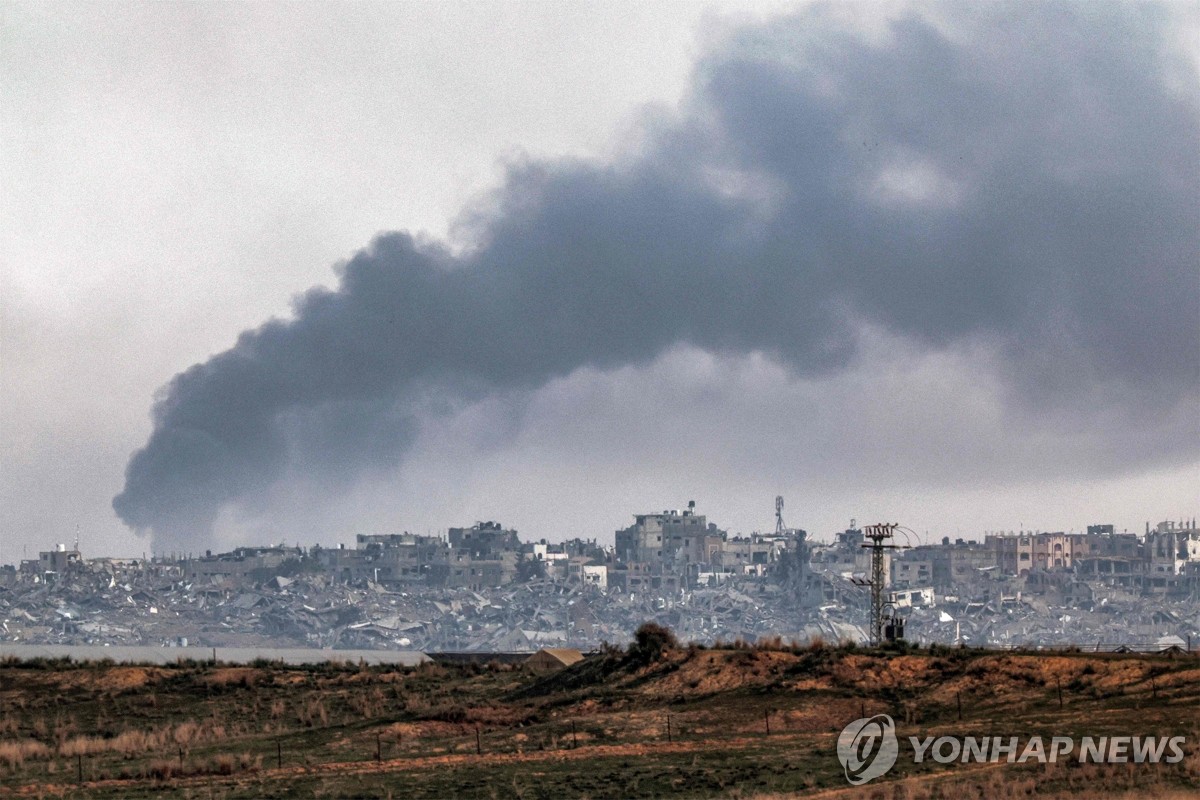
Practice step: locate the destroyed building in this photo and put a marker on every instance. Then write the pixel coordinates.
(481, 589)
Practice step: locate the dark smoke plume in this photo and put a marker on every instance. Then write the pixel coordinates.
(1027, 179)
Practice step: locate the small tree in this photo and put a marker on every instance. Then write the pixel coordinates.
(650, 641)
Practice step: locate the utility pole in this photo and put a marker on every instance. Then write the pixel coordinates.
(879, 535)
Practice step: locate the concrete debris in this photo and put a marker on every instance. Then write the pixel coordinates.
(485, 591)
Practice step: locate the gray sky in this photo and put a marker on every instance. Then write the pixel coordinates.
(939, 268)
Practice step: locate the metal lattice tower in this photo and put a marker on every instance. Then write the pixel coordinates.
(878, 534)
(779, 528)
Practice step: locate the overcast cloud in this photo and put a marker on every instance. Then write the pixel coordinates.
(932, 266)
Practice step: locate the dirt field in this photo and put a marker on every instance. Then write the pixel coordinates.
(693, 723)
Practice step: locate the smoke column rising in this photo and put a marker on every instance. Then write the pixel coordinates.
(1026, 179)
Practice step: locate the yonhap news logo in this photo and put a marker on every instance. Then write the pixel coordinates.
(867, 748)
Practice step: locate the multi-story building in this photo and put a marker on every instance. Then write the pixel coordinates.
(482, 556)
(913, 570)
(1104, 555)
(1170, 547)
(946, 566)
(642, 576)
(485, 540)
(1017, 555)
(963, 563)
(464, 571)
(51, 564)
(749, 555)
(403, 557)
(675, 538)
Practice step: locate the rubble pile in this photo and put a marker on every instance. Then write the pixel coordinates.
(1132, 623)
(484, 590)
(152, 606)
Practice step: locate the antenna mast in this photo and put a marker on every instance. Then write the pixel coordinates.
(779, 528)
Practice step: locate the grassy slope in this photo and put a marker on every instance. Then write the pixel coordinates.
(598, 729)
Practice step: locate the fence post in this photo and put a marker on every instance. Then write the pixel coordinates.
(767, 719)
(574, 739)
(958, 697)
(79, 763)
(378, 747)
(1058, 682)
(278, 754)
(478, 742)
(668, 728)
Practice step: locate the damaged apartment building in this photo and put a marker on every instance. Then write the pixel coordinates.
(483, 556)
(675, 550)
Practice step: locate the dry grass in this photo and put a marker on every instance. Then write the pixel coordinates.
(162, 769)
(15, 754)
(133, 743)
(369, 704)
(234, 677)
(313, 713)
(424, 722)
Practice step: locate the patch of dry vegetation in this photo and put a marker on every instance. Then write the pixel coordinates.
(659, 719)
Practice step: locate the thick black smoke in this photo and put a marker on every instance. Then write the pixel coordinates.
(1027, 180)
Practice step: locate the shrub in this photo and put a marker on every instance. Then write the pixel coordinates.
(312, 712)
(650, 641)
(186, 733)
(223, 764)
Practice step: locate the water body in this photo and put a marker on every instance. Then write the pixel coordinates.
(230, 655)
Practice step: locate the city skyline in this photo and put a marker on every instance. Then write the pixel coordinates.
(605, 538)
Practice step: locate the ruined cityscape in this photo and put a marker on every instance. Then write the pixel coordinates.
(483, 589)
(610, 400)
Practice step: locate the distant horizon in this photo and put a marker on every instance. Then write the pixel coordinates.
(604, 540)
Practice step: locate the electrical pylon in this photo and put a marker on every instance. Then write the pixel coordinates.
(878, 534)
